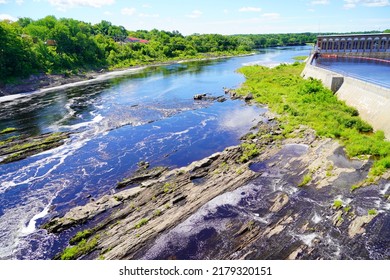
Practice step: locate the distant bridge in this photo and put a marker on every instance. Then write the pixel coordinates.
(357, 45)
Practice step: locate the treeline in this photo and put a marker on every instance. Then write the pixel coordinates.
(52, 45)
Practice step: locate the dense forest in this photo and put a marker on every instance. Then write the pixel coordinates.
(67, 46)
(52, 45)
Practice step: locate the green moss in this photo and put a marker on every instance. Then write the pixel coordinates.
(372, 212)
(347, 209)
(306, 179)
(141, 223)
(355, 187)
(8, 130)
(249, 151)
(337, 204)
(82, 248)
(167, 188)
(17, 150)
(157, 213)
(80, 236)
(239, 171)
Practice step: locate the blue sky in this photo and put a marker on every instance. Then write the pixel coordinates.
(215, 16)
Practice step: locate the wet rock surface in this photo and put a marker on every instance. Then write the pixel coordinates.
(222, 208)
(18, 147)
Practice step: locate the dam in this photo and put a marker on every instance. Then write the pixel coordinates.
(370, 98)
(375, 46)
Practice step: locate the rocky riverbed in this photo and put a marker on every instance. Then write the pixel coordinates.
(269, 198)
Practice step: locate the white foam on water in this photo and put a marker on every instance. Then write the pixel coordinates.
(30, 228)
(385, 189)
(316, 218)
(307, 239)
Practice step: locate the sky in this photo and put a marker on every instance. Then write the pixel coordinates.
(214, 16)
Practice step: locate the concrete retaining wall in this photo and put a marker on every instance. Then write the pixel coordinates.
(372, 101)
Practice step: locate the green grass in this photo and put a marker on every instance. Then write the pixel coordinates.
(307, 102)
(372, 212)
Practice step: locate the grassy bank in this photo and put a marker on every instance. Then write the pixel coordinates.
(308, 102)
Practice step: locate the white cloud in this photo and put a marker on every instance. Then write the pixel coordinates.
(128, 11)
(226, 11)
(249, 9)
(320, 2)
(350, 4)
(195, 14)
(376, 3)
(19, 2)
(3, 2)
(149, 15)
(7, 17)
(63, 5)
(271, 16)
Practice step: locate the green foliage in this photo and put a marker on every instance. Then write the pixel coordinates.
(249, 151)
(66, 45)
(372, 212)
(83, 247)
(141, 223)
(54, 45)
(308, 102)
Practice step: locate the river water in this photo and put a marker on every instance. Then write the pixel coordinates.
(146, 115)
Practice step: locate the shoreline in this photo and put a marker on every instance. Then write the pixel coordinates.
(58, 82)
(135, 220)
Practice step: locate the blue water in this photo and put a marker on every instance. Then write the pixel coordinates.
(368, 70)
(147, 115)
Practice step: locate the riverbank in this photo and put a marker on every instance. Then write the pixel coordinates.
(287, 192)
(305, 200)
(41, 83)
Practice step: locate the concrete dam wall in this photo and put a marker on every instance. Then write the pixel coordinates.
(372, 101)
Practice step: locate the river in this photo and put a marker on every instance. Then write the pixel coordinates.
(146, 115)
